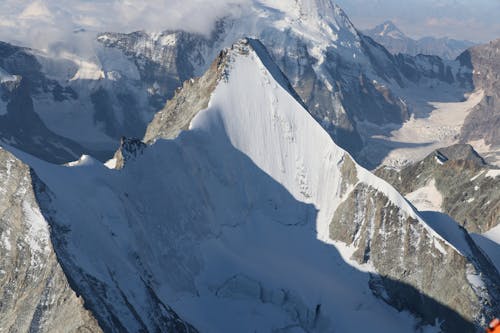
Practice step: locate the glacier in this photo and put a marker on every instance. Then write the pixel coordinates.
(228, 226)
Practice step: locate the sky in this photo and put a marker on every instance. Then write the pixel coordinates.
(40, 23)
(475, 20)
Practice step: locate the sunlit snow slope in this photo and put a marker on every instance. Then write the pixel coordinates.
(227, 227)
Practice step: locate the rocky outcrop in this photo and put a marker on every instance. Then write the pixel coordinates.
(336, 86)
(35, 295)
(469, 187)
(404, 250)
(185, 104)
(129, 149)
(483, 123)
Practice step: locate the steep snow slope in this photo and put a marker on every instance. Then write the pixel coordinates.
(343, 77)
(230, 227)
(490, 243)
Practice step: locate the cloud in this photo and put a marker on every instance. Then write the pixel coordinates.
(43, 23)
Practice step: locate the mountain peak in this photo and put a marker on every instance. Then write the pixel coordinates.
(388, 28)
(459, 152)
(313, 16)
(195, 93)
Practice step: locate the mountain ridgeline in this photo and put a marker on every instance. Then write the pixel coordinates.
(235, 196)
(225, 217)
(348, 82)
(389, 35)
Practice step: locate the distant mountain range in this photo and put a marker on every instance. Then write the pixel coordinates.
(395, 41)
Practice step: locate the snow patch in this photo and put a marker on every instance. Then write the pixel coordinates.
(83, 161)
(493, 234)
(6, 240)
(490, 244)
(438, 160)
(427, 197)
(476, 281)
(493, 173)
(110, 164)
(38, 232)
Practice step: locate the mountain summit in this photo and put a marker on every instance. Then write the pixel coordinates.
(252, 218)
(387, 29)
(389, 35)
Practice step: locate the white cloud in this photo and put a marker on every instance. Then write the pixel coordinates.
(43, 23)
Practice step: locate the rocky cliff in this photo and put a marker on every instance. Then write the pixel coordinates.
(467, 188)
(35, 295)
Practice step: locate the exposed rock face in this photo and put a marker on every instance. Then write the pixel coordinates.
(401, 249)
(396, 42)
(460, 152)
(34, 293)
(404, 250)
(483, 123)
(347, 80)
(470, 194)
(165, 60)
(174, 225)
(129, 149)
(185, 104)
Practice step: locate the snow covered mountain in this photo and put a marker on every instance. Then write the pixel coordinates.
(58, 106)
(252, 220)
(389, 35)
(359, 92)
(368, 100)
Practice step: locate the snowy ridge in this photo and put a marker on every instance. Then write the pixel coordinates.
(308, 177)
(191, 223)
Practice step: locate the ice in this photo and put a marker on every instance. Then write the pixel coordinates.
(229, 221)
(493, 173)
(427, 197)
(490, 244)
